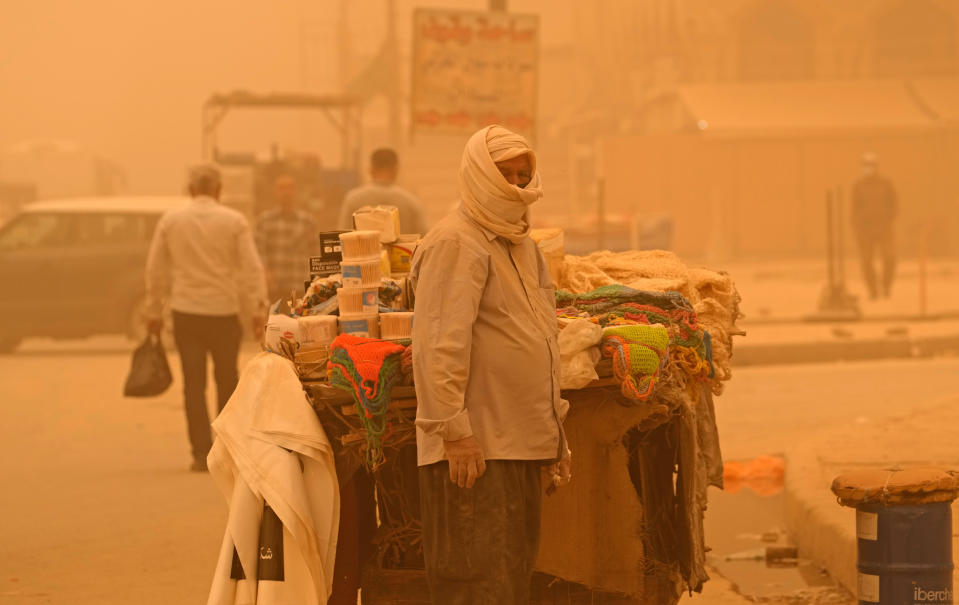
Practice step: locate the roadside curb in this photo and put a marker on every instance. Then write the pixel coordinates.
(824, 531)
(832, 351)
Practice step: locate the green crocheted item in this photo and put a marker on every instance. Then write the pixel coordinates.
(617, 305)
(639, 353)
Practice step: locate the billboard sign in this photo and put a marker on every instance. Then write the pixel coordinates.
(471, 69)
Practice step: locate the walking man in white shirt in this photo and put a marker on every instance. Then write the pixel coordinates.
(486, 366)
(204, 265)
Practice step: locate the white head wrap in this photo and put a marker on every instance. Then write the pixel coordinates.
(487, 197)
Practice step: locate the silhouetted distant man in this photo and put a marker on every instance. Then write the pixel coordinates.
(286, 237)
(203, 263)
(874, 209)
(383, 191)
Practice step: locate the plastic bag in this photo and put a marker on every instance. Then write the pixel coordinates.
(149, 371)
(579, 352)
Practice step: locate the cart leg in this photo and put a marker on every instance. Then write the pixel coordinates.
(353, 546)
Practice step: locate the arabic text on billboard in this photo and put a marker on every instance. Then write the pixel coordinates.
(472, 69)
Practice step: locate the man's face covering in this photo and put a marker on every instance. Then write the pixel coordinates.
(498, 181)
(517, 171)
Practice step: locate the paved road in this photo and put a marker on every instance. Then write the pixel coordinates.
(769, 410)
(98, 508)
(765, 409)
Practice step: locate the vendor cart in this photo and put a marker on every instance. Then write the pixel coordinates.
(627, 530)
(641, 426)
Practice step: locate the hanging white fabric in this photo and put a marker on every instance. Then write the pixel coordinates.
(271, 449)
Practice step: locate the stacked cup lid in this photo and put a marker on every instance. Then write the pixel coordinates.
(361, 273)
(358, 299)
(360, 266)
(360, 244)
(397, 325)
(366, 325)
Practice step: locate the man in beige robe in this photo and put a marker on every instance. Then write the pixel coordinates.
(486, 365)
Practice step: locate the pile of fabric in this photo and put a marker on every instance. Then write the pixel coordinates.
(367, 368)
(651, 454)
(274, 464)
(697, 300)
(689, 348)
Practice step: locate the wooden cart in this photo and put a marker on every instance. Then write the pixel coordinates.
(612, 535)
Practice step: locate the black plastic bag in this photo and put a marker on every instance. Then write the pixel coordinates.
(149, 371)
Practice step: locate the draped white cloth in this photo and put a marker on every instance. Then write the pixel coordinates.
(486, 195)
(271, 448)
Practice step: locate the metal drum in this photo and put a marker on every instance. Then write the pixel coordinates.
(903, 533)
(905, 554)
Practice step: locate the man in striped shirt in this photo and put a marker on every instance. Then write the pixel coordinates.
(286, 237)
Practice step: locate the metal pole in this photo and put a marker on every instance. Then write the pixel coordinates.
(923, 253)
(345, 49)
(205, 143)
(840, 240)
(601, 214)
(830, 241)
(394, 77)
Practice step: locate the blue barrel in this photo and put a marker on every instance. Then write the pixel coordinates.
(905, 553)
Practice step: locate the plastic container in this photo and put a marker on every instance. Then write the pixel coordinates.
(396, 326)
(360, 244)
(402, 300)
(361, 273)
(317, 331)
(385, 270)
(385, 220)
(360, 324)
(358, 300)
(401, 253)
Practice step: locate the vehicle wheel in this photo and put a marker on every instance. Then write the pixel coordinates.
(9, 343)
(137, 325)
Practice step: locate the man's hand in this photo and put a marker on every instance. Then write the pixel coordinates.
(560, 473)
(155, 326)
(466, 461)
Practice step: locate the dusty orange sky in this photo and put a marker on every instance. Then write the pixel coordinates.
(126, 79)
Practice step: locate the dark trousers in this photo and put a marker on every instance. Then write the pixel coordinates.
(872, 243)
(480, 544)
(195, 337)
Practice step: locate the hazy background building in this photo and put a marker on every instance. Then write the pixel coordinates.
(730, 119)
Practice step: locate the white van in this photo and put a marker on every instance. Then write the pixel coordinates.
(75, 267)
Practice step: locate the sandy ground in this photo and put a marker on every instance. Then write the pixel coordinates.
(98, 507)
(770, 410)
(779, 290)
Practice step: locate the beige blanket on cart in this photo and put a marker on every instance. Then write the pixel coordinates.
(271, 449)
